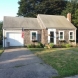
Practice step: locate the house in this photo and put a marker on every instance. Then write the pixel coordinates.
(45, 29)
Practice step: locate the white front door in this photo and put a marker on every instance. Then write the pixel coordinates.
(52, 36)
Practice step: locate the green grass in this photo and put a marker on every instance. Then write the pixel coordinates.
(1, 50)
(64, 60)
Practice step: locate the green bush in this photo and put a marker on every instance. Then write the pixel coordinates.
(67, 45)
(29, 46)
(32, 45)
(63, 45)
(51, 45)
(39, 45)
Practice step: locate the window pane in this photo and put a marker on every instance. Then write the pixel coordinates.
(71, 33)
(61, 37)
(33, 35)
(52, 40)
(61, 33)
(71, 37)
(51, 34)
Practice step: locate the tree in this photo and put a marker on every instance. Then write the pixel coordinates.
(31, 8)
(72, 7)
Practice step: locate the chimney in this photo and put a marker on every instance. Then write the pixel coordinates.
(69, 17)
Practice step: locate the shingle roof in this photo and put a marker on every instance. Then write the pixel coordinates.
(46, 21)
(55, 21)
(19, 22)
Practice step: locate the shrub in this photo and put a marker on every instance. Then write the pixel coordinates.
(63, 45)
(39, 45)
(51, 45)
(32, 45)
(67, 45)
(29, 46)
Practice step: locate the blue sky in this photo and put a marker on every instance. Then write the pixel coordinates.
(8, 8)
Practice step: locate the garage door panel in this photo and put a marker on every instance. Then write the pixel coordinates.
(15, 39)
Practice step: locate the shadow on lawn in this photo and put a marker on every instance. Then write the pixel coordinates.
(64, 60)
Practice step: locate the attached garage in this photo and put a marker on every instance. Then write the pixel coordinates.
(13, 39)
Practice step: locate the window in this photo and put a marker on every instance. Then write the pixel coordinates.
(71, 35)
(61, 35)
(33, 35)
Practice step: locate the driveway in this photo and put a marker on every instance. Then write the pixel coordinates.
(21, 63)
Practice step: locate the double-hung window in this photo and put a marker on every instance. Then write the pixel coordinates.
(61, 35)
(33, 35)
(71, 35)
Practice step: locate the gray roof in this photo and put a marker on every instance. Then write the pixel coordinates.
(43, 21)
(19, 22)
(55, 21)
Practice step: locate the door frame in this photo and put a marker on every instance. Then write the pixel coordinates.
(53, 30)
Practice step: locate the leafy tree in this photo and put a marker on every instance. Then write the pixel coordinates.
(31, 8)
(72, 7)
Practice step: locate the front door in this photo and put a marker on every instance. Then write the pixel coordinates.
(51, 36)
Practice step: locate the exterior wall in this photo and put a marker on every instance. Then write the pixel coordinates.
(27, 39)
(44, 36)
(66, 37)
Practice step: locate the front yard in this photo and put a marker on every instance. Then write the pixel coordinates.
(1, 50)
(64, 60)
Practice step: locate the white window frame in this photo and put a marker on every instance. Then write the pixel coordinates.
(73, 35)
(59, 35)
(31, 34)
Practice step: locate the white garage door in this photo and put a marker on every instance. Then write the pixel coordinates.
(15, 39)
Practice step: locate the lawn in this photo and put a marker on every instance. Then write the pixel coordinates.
(1, 50)
(64, 60)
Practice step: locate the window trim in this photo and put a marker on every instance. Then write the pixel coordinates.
(73, 35)
(31, 34)
(59, 35)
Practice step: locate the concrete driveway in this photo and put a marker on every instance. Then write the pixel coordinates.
(21, 63)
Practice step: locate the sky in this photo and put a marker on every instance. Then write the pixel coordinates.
(8, 8)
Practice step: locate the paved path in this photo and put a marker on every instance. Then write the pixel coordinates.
(21, 63)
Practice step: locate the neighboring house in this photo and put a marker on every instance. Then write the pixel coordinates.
(45, 29)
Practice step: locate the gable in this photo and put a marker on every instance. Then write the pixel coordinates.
(55, 21)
